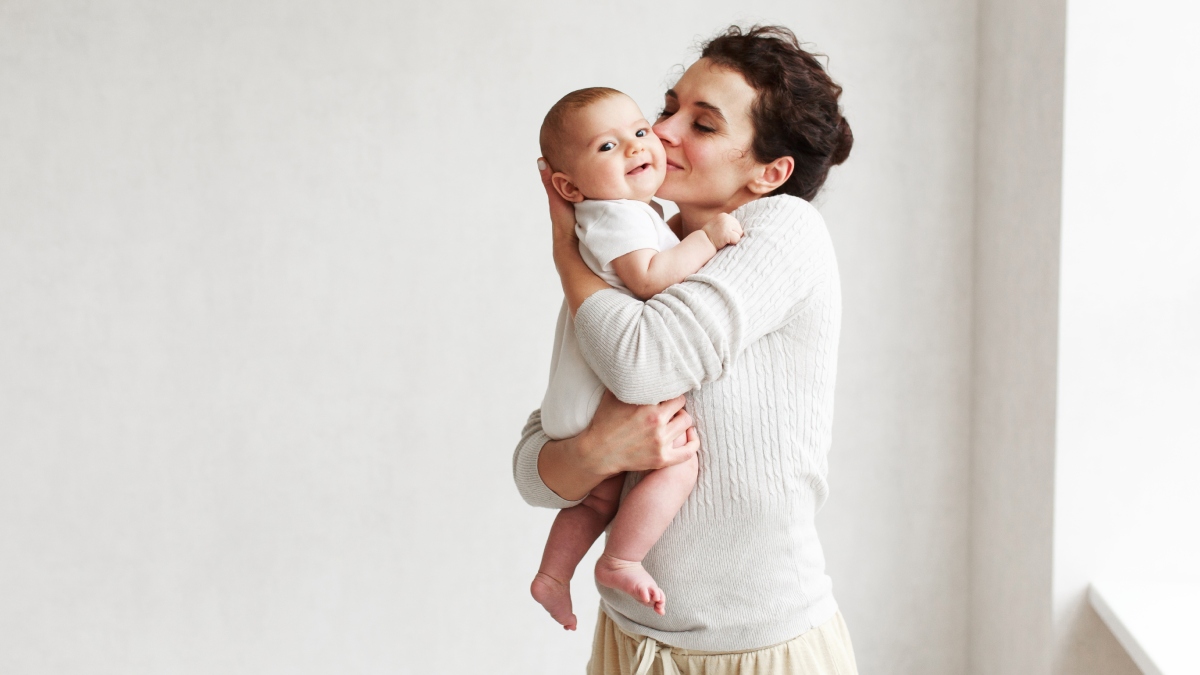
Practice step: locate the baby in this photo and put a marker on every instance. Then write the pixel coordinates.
(608, 162)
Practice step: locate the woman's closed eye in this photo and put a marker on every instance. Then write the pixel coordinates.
(702, 128)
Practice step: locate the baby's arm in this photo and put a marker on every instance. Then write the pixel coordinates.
(647, 272)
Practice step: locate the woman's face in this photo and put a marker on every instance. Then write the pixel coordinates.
(706, 130)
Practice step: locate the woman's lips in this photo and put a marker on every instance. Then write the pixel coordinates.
(672, 166)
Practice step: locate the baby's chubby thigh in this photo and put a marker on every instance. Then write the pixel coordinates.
(668, 487)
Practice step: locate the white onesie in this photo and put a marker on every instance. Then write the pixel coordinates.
(607, 229)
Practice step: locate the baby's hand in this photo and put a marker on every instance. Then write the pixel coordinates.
(723, 230)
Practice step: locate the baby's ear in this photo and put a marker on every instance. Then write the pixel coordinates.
(565, 188)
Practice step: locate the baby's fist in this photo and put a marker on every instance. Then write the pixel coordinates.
(723, 230)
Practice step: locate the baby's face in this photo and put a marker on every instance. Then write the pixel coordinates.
(615, 152)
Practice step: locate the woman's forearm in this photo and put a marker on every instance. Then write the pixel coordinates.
(565, 468)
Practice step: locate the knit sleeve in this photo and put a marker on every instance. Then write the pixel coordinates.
(692, 332)
(525, 467)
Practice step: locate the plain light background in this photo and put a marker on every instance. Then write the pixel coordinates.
(276, 298)
(278, 292)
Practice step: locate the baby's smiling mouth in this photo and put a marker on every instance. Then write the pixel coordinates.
(638, 169)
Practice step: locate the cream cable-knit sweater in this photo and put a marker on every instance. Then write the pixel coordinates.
(752, 339)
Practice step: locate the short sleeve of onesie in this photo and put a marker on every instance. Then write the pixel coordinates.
(610, 229)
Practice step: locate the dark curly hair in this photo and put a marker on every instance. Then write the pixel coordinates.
(796, 112)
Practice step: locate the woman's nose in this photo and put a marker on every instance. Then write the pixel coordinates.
(666, 132)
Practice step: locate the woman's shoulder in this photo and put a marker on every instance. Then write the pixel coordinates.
(789, 222)
(781, 210)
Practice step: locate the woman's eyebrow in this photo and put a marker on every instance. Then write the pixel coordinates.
(711, 108)
(701, 104)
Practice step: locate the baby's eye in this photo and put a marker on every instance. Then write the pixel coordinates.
(640, 133)
(607, 146)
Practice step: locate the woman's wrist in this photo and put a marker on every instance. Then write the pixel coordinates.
(590, 457)
(569, 467)
(564, 248)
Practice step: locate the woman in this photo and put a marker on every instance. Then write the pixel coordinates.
(750, 343)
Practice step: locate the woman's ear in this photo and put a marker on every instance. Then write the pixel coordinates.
(772, 175)
(565, 188)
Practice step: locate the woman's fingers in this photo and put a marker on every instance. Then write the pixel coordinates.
(557, 203)
(687, 445)
(562, 212)
(680, 440)
(693, 443)
(672, 406)
(677, 427)
(545, 172)
(678, 421)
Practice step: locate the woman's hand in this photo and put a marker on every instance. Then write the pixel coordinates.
(621, 437)
(578, 282)
(624, 437)
(562, 212)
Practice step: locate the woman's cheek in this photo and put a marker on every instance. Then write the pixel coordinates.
(702, 167)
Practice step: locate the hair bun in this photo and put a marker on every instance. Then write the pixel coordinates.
(845, 141)
(796, 113)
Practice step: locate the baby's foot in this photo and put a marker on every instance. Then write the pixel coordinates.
(555, 596)
(632, 578)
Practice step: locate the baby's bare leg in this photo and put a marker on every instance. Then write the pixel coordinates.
(573, 533)
(643, 517)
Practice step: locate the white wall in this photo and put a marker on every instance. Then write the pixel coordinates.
(1127, 510)
(277, 297)
(1016, 312)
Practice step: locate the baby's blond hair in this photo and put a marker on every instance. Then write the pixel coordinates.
(554, 135)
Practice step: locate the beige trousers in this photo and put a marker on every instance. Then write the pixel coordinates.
(824, 650)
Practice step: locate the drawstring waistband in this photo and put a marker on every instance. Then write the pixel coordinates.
(649, 648)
